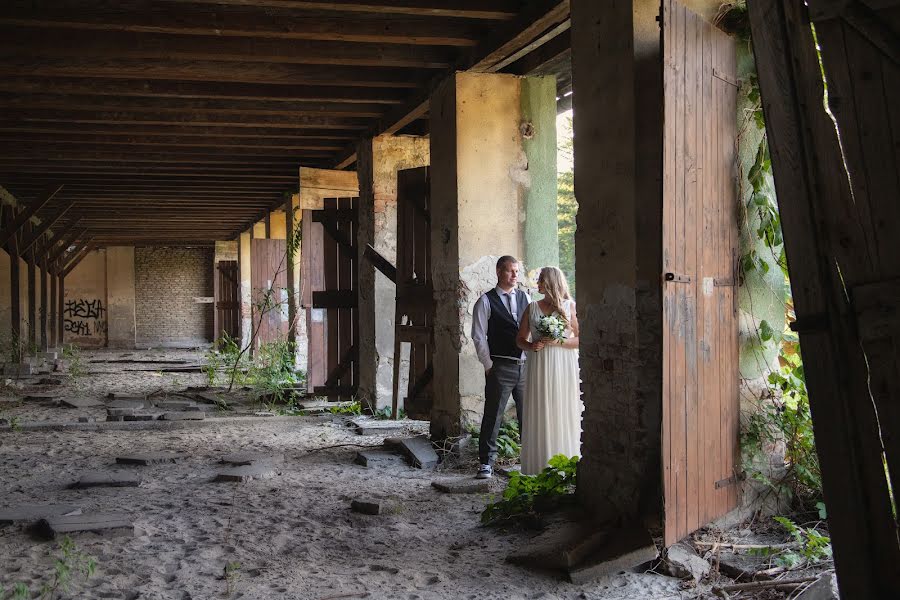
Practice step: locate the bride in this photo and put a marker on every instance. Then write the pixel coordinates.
(552, 406)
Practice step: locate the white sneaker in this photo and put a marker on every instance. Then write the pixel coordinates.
(485, 472)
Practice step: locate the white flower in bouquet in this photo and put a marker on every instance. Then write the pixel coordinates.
(553, 328)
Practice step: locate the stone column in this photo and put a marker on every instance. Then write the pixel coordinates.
(120, 300)
(482, 187)
(379, 159)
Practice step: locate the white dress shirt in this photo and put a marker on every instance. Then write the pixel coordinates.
(481, 314)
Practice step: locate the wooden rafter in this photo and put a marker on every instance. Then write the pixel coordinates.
(29, 211)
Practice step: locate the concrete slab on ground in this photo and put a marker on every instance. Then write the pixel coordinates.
(107, 479)
(40, 397)
(418, 450)
(373, 506)
(132, 403)
(184, 415)
(247, 473)
(150, 458)
(465, 485)
(142, 416)
(17, 370)
(49, 381)
(823, 588)
(561, 546)
(507, 470)
(377, 458)
(239, 459)
(82, 402)
(626, 548)
(95, 522)
(370, 426)
(33, 512)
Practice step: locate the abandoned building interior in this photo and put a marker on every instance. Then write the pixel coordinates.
(242, 241)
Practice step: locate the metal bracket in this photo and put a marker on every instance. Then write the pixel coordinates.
(727, 481)
(810, 324)
(677, 278)
(723, 282)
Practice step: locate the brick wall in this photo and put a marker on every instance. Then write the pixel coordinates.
(167, 280)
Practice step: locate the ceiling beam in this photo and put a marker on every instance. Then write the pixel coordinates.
(143, 87)
(27, 42)
(470, 9)
(188, 119)
(200, 70)
(38, 231)
(507, 39)
(26, 213)
(269, 24)
(173, 130)
(238, 147)
(539, 60)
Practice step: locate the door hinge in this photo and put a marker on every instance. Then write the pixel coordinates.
(727, 481)
(677, 278)
(723, 282)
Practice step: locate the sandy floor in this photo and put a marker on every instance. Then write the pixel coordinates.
(294, 536)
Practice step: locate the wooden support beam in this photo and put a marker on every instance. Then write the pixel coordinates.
(381, 263)
(539, 60)
(61, 312)
(56, 253)
(15, 298)
(58, 234)
(267, 224)
(146, 46)
(44, 341)
(505, 41)
(31, 288)
(77, 255)
(54, 338)
(26, 214)
(828, 257)
(291, 230)
(493, 10)
(267, 24)
(150, 88)
(39, 230)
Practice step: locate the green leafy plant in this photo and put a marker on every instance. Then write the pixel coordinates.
(352, 409)
(810, 547)
(525, 493)
(75, 366)
(231, 575)
(385, 412)
(509, 441)
(69, 563)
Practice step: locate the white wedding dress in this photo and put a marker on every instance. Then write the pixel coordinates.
(552, 407)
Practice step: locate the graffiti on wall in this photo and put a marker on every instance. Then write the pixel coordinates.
(84, 318)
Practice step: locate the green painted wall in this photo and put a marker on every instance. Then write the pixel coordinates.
(761, 297)
(538, 98)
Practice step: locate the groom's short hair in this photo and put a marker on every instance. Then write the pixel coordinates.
(505, 260)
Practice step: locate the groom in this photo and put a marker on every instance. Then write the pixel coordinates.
(495, 324)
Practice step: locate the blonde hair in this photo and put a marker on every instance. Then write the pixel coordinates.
(556, 289)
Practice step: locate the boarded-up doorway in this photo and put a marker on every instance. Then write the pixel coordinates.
(700, 347)
(228, 300)
(312, 279)
(269, 291)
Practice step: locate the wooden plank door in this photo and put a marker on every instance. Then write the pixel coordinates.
(339, 220)
(312, 279)
(228, 301)
(700, 244)
(414, 316)
(269, 293)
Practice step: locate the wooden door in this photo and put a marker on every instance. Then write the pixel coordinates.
(269, 291)
(700, 245)
(415, 303)
(228, 300)
(312, 279)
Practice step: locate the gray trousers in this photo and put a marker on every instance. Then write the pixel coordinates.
(506, 377)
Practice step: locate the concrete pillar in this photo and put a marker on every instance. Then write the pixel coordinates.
(481, 183)
(379, 159)
(120, 297)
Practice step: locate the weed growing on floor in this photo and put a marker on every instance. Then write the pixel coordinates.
(75, 366)
(354, 409)
(71, 562)
(11, 349)
(509, 441)
(231, 574)
(526, 494)
(385, 412)
(811, 547)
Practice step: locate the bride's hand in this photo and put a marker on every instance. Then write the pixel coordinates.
(537, 345)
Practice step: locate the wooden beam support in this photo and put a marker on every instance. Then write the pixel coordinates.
(44, 308)
(38, 231)
(56, 253)
(150, 88)
(15, 297)
(76, 256)
(827, 256)
(26, 214)
(493, 10)
(381, 263)
(153, 46)
(291, 230)
(267, 24)
(31, 287)
(54, 338)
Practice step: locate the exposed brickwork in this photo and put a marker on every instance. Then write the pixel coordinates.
(167, 280)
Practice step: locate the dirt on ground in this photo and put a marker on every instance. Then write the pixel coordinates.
(293, 535)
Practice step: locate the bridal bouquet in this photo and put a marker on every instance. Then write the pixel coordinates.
(553, 328)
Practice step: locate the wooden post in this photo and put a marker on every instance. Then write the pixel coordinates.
(61, 315)
(828, 259)
(15, 304)
(54, 306)
(32, 293)
(268, 225)
(44, 339)
(291, 283)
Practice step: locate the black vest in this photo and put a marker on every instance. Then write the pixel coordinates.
(504, 327)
